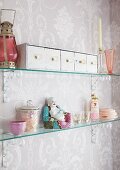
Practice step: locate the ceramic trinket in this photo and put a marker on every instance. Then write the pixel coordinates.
(54, 117)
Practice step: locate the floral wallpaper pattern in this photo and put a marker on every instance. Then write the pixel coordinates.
(69, 25)
(63, 24)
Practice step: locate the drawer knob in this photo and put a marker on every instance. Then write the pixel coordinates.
(53, 59)
(67, 60)
(92, 63)
(80, 61)
(36, 57)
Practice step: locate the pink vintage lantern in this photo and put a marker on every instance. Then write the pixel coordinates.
(8, 48)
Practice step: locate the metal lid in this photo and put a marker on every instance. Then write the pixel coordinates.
(29, 106)
(6, 28)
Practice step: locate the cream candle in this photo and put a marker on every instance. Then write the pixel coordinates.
(100, 33)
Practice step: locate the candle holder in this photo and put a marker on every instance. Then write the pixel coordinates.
(101, 61)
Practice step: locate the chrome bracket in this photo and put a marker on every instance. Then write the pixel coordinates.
(93, 133)
(7, 76)
(4, 162)
(6, 146)
(94, 81)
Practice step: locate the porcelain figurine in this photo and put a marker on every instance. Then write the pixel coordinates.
(55, 117)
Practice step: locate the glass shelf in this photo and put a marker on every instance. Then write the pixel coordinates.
(9, 136)
(55, 71)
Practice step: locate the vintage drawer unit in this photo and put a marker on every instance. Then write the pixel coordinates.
(67, 61)
(35, 57)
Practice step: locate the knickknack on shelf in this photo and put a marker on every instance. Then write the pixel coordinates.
(44, 58)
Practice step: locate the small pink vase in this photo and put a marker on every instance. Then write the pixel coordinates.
(17, 127)
(109, 55)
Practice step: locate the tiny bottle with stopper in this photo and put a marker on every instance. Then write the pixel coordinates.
(94, 108)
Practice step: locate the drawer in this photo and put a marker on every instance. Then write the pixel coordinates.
(80, 62)
(35, 57)
(67, 61)
(92, 64)
(52, 59)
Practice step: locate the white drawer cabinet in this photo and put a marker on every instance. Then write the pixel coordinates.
(36, 57)
(91, 64)
(67, 61)
(80, 62)
(31, 57)
(52, 59)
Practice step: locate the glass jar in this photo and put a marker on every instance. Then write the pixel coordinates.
(30, 114)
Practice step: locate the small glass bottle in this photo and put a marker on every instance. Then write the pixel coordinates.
(94, 108)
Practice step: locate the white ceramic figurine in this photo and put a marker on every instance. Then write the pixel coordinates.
(55, 110)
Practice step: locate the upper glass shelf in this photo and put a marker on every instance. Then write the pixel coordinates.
(55, 71)
(8, 136)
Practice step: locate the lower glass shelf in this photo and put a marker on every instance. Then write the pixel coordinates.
(58, 72)
(40, 131)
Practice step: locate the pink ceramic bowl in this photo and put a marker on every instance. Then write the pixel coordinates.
(17, 127)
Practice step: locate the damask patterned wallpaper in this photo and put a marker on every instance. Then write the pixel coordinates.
(115, 34)
(72, 25)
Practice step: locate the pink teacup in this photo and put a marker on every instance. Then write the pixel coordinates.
(17, 127)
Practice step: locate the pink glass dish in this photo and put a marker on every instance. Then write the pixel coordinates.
(17, 127)
(109, 55)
